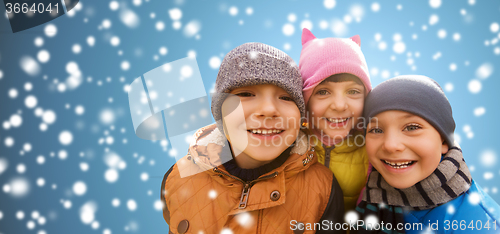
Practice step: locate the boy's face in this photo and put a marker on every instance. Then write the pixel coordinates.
(398, 137)
(260, 122)
(335, 107)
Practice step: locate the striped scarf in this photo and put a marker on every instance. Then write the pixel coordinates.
(450, 180)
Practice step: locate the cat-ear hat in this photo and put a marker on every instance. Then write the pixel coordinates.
(321, 58)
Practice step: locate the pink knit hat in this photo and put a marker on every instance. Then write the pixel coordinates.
(321, 58)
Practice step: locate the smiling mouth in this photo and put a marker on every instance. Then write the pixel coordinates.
(398, 165)
(266, 132)
(337, 120)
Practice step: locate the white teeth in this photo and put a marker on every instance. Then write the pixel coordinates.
(266, 132)
(337, 120)
(399, 164)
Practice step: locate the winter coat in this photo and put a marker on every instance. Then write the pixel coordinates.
(200, 195)
(349, 163)
(472, 212)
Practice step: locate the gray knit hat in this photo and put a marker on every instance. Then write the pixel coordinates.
(419, 95)
(255, 64)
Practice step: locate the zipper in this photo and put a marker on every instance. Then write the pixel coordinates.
(328, 150)
(244, 197)
(246, 185)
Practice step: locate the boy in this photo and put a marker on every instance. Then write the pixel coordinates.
(420, 180)
(336, 81)
(271, 183)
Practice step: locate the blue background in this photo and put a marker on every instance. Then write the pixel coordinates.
(220, 31)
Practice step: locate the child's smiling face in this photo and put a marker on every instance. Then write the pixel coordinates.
(403, 147)
(260, 122)
(335, 107)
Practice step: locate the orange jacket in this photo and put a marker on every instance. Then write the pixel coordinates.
(200, 195)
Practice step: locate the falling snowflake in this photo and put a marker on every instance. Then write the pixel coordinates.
(79, 188)
(329, 4)
(488, 158)
(351, 217)
(131, 205)
(375, 7)
(50, 30)
(288, 29)
(474, 198)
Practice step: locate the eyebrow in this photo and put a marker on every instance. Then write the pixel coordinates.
(348, 86)
(408, 115)
(351, 82)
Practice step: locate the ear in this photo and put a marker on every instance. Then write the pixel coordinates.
(444, 148)
(356, 39)
(307, 36)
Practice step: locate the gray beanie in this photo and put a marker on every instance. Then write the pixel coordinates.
(419, 95)
(256, 64)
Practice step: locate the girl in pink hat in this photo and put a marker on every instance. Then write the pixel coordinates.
(336, 82)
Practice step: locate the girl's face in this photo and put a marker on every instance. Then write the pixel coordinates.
(260, 122)
(336, 107)
(403, 147)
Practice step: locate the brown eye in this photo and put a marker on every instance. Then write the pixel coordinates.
(375, 130)
(412, 127)
(353, 91)
(244, 94)
(322, 92)
(286, 98)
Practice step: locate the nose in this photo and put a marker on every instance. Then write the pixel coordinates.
(267, 107)
(339, 103)
(393, 142)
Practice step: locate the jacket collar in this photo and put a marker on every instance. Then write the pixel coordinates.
(208, 156)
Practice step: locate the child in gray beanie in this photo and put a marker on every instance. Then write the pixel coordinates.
(420, 180)
(253, 171)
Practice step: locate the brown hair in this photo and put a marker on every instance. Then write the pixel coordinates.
(336, 78)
